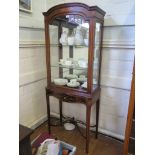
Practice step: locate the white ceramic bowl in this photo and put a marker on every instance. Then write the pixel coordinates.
(60, 82)
(69, 126)
(75, 84)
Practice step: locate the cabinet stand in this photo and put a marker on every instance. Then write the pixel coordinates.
(88, 102)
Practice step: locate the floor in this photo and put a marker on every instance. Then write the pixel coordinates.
(104, 145)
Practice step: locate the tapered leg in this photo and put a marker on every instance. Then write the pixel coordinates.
(97, 117)
(60, 110)
(88, 112)
(48, 112)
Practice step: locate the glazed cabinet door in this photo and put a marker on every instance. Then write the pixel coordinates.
(69, 46)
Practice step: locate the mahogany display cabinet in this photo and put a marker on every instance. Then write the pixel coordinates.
(73, 37)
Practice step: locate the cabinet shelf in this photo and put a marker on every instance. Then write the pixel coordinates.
(76, 46)
(70, 67)
(79, 88)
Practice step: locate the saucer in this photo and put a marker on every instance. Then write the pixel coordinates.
(65, 65)
(71, 76)
(73, 85)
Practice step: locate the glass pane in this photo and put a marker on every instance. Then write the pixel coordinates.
(69, 51)
(96, 54)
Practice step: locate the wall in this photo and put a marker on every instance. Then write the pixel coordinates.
(32, 69)
(118, 55)
(117, 63)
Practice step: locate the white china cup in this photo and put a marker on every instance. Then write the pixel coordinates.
(73, 81)
(68, 62)
(62, 61)
(82, 76)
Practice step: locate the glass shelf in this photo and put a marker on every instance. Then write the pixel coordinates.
(79, 88)
(69, 67)
(76, 46)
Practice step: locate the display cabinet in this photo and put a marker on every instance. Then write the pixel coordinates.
(74, 35)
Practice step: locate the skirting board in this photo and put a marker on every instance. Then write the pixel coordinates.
(38, 122)
(41, 120)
